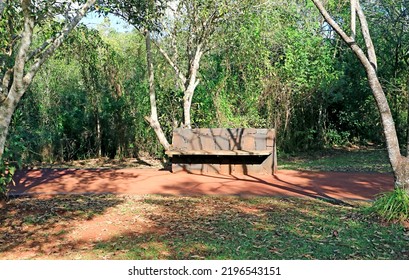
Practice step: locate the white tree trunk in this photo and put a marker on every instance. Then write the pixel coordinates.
(153, 119)
(7, 108)
(400, 164)
(191, 85)
(22, 77)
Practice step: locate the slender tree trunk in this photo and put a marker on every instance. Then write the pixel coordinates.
(191, 85)
(187, 104)
(7, 108)
(407, 118)
(153, 119)
(400, 164)
(99, 138)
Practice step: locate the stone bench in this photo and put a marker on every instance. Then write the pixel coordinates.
(223, 151)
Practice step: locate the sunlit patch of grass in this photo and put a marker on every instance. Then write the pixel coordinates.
(358, 160)
(276, 229)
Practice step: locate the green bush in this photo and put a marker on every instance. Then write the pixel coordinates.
(6, 178)
(392, 206)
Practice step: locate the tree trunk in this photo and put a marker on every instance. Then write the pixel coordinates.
(153, 119)
(187, 104)
(399, 163)
(191, 85)
(7, 108)
(407, 118)
(99, 138)
(402, 174)
(388, 124)
(22, 78)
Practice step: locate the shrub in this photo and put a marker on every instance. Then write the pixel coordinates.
(6, 178)
(392, 206)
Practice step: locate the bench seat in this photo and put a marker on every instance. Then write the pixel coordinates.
(171, 153)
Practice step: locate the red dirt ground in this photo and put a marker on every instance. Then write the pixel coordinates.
(326, 185)
(72, 238)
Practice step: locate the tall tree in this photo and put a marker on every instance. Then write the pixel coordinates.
(399, 163)
(144, 16)
(190, 26)
(23, 60)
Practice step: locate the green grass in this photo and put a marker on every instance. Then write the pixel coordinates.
(201, 228)
(357, 160)
(393, 206)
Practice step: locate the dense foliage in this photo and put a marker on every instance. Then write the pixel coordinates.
(276, 64)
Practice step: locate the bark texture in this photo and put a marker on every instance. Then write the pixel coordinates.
(7, 108)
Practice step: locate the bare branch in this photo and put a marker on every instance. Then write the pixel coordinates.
(353, 19)
(182, 78)
(57, 42)
(40, 49)
(350, 41)
(367, 37)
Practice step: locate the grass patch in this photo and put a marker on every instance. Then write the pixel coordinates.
(392, 206)
(342, 160)
(155, 227)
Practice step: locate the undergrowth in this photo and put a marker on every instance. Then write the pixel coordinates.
(6, 178)
(392, 206)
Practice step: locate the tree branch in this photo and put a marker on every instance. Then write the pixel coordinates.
(348, 40)
(40, 49)
(353, 19)
(182, 77)
(367, 37)
(56, 42)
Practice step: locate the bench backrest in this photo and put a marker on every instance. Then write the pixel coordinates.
(223, 139)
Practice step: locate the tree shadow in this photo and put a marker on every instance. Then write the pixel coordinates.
(38, 223)
(203, 228)
(332, 187)
(68, 181)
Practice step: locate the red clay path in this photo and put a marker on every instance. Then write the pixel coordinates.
(325, 185)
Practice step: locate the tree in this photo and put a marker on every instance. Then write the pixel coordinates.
(144, 15)
(392, 33)
(399, 163)
(190, 27)
(23, 56)
(183, 34)
(153, 118)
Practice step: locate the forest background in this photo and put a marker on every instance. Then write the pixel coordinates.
(265, 64)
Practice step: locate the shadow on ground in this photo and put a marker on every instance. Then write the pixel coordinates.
(159, 227)
(330, 186)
